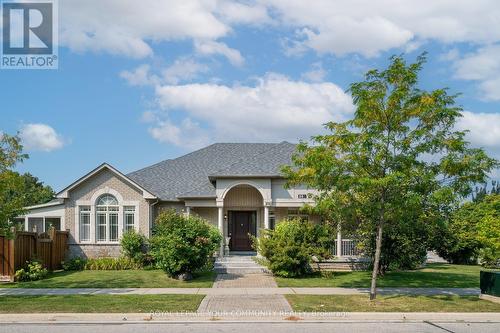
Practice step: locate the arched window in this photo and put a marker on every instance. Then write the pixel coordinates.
(107, 218)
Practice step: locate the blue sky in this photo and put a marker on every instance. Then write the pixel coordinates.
(137, 85)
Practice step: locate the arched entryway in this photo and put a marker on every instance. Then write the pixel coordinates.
(243, 209)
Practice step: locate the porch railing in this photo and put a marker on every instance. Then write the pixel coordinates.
(348, 248)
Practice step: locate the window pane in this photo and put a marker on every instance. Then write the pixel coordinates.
(113, 227)
(129, 222)
(107, 200)
(101, 227)
(84, 226)
(52, 222)
(35, 224)
(129, 208)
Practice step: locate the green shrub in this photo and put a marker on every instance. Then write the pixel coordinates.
(133, 246)
(75, 264)
(404, 245)
(102, 264)
(290, 247)
(182, 245)
(31, 272)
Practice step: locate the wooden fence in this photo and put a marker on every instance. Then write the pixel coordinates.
(50, 248)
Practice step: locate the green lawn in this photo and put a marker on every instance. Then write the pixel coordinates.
(100, 303)
(399, 303)
(115, 279)
(434, 275)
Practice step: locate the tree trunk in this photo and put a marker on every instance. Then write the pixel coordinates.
(376, 262)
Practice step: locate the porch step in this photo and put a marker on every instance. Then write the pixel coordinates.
(236, 264)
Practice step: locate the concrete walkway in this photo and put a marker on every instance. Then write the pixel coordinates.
(219, 290)
(241, 274)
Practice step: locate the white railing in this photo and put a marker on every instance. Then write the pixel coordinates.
(348, 248)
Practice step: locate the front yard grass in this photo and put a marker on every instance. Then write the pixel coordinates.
(100, 303)
(115, 279)
(393, 303)
(432, 276)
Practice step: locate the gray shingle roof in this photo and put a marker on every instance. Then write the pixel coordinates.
(189, 175)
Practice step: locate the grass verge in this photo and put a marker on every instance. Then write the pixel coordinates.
(100, 303)
(115, 279)
(393, 303)
(432, 276)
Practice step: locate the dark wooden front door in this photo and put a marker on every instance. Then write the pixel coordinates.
(242, 225)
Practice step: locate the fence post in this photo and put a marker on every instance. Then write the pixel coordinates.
(53, 247)
(12, 256)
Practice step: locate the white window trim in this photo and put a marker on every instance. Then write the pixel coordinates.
(93, 225)
(79, 227)
(136, 225)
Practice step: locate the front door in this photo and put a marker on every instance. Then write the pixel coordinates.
(242, 225)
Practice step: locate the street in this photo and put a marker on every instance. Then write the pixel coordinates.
(244, 327)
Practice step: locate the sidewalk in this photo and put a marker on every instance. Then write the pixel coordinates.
(238, 291)
(122, 318)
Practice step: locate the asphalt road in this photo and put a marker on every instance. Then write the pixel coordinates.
(203, 327)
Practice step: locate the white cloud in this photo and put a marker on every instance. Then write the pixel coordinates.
(183, 69)
(316, 74)
(274, 109)
(370, 27)
(241, 13)
(484, 129)
(40, 137)
(209, 47)
(482, 66)
(140, 76)
(126, 27)
(188, 134)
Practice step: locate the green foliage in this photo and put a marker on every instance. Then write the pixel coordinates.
(290, 247)
(404, 245)
(74, 264)
(182, 244)
(31, 272)
(34, 191)
(10, 204)
(10, 151)
(473, 233)
(133, 245)
(101, 264)
(17, 191)
(399, 159)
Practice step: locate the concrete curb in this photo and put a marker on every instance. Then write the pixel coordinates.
(103, 318)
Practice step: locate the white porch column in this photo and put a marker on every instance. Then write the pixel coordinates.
(188, 210)
(26, 223)
(266, 218)
(221, 229)
(339, 242)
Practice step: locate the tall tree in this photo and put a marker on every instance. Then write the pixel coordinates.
(10, 154)
(399, 159)
(34, 190)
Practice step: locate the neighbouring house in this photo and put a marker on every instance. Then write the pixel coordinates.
(237, 187)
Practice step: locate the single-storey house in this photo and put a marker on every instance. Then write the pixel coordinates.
(237, 187)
